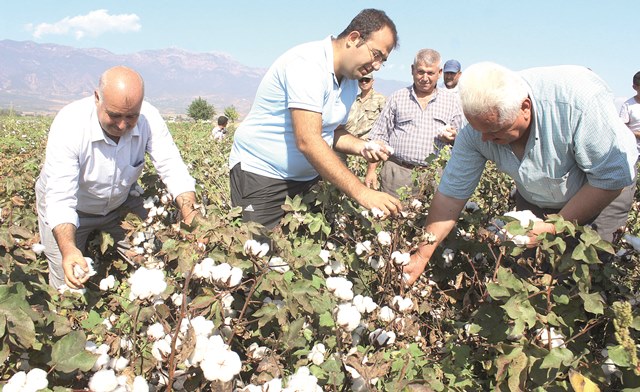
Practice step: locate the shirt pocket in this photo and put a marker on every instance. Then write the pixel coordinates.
(551, 192)
(129, 176)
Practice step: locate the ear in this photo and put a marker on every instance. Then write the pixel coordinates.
(526, 108)
(354, 39)
(96, 96)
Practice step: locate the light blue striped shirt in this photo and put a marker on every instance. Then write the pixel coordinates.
(576, 137)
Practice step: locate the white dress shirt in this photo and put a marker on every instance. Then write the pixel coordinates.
(86, 171)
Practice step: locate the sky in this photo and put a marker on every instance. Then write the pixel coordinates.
(603, 36)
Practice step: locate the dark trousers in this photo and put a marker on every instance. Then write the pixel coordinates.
(262, 198)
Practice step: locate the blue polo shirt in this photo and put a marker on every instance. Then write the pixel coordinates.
(576, 137)
(302, 78)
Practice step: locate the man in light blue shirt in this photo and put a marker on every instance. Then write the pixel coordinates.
(285, 144)
(555, 131)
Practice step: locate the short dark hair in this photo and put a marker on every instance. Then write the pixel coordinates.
(636, 79)
(369, 21)
(222, 120)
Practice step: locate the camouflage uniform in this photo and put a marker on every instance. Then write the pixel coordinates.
(364, 113)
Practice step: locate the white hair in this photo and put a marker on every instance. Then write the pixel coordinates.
(491, 88)
(427, 57)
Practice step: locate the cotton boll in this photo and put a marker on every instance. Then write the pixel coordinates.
(38, 248)
(160, 350)
(301, 381)
(364, 304)
(107, 283)
(221, 365)
(377, 213)
(147, 283)
(347, 317)
(544, 334)
(525, 217)
(400, 258)
(402, 304)
(235, 277)
(386, 315)
(156, 331)
(363, 247)
(202, 326)
(118, 364)
(278, 264)
(334, 267)
(257, 352)
(324, 255)
(254, 248)
(140, 385)
(416, 204)
(384, 238)
(36, 380)
(381, 338)
(376, 263)
(448, 256)
(80, 273)
(317, 354)
(103, 381)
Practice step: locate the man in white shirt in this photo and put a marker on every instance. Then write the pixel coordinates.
(95, 155)
(630, 110)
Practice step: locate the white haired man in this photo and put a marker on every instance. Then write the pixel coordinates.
(556, 132)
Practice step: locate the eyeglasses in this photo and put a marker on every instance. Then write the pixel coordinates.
(365, 80)
(376, 55)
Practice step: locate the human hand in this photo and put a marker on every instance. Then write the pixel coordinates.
(537, 229)
(386, 203)
(76, 270)
(412, 271)
(448, 134)
(371, 179)
(376, 151)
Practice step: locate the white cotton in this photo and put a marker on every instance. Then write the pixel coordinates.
(334, 267)
(400, 258)
(337, 282)
(363, 247)
(118, 364)
(202, 326)
(402, 304)
(64, 288)
(386, 314)
(278, 264)
(203, 268)
(448, 256)
(149, 203)
(176, 298)
(526, 217)
(156, 331)
(377, 213)
(199, 352)
(364, 213)
(227, 301)
(103, 381)
(376, 263)
(257, 352)
(140, 385)
(347, 317)
(36, 380)
(221, 364)
(79, 272)
(90, 346)
(302, 381)
(316, 355)
(221, 272)
(254, 248)
(161, 350)
(107, 283)
(324, 255)
(38, 248)
(384, 238)
(372, 146)
(16, 382)
(544, 334)
(380, 337)
(364, 304)
(416, 204)
(147, 283)
(235, 278)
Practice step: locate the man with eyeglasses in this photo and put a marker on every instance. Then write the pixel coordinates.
(556, 132)
(416, 122)
(365, 109)
(286, 142)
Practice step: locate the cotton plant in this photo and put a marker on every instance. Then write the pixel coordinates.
(401, 304)
(381, 338)
(220, 362)
(386, 314)
(223, 273)
(278, 264)
(317, 353)
(525, 218)
(347, 316)
(363, 247)
(273, 385)
(400, 258)
(364, 304)
(302, 381)
(384, 238)
(108, 283)
(550, 335)
(447, 256)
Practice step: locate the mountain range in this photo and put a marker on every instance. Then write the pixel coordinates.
(42, 78)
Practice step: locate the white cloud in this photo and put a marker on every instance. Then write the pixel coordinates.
(93, 24)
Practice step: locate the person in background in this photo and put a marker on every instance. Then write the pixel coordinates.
(630, 110)
(365, 109)
(220, 131)
(451, 74)
(95, 154)
(416, 121)
(556, 132)
(286, 142)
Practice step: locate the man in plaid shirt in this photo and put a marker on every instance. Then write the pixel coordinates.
(416, 122)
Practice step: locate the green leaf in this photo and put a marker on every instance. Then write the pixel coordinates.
(593, 303)
(91, 321)
(106, 240)
(326, 320)
(68, 354)
(557, 356)
(507, 279)
(619, 355)
(496, 291)
(636, 323)
(519, 307)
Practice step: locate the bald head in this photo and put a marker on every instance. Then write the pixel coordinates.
(119, 100)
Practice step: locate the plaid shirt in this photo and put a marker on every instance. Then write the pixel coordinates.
(413, 131)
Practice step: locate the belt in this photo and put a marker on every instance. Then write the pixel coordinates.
(404, 164)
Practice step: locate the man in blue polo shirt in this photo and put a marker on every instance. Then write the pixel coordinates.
(555, 131)
(285, 144)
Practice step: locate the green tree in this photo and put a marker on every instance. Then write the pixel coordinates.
(231, 113)
(200, 110)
